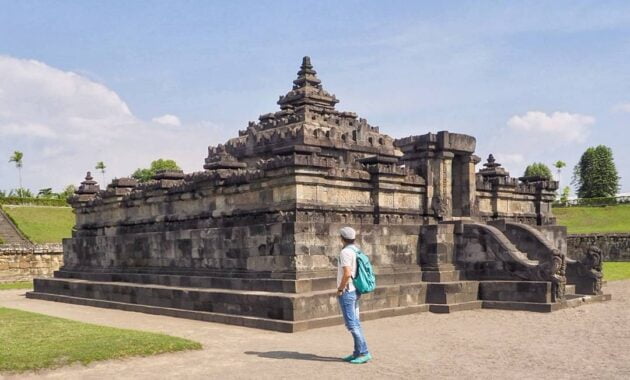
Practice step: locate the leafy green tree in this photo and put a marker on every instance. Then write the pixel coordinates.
(67, 192)
(564, 198)
(18, 158)
(100, 166)
(538, 169)
(144, 175)
(45, 193)
(3, 193)
(595, 175)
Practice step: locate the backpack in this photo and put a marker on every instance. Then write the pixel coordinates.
(364, 280)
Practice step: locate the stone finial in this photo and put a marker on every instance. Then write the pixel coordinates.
(88, 186)
(493, 169)
(86, 191)
(306, 62)
(307, 90)
(491, 162)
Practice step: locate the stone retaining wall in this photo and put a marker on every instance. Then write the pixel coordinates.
(23, 262)
(615, 247)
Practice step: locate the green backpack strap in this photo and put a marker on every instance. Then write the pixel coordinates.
(356, 257)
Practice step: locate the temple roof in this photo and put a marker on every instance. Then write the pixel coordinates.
(307, 90)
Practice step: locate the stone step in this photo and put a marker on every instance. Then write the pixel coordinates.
(523, 306)
(239, 320)
(581, 299)
(450, 308)
(8, 232)
(515, 291)
(234, 283)
(441, 276)
(569, 290)
(570, 301)
(452, 292)
(271, 305)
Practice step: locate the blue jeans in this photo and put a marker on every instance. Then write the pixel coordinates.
(349, 303)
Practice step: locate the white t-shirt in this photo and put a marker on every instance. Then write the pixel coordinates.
(347, 258)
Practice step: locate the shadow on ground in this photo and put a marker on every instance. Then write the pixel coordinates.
(293, 355)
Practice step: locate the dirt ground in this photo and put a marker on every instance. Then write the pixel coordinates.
(589, 342)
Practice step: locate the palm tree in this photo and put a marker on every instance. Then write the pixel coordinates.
(17, 158)
(101, 167)
(559, 165)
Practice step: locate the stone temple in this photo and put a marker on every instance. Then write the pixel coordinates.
(253, 239)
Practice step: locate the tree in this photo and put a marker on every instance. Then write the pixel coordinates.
(538, 169)
(100, 166)
(564, 198)
(17, 157)
(45, 193)
(595, 175)
(144, 175)
(67, 192)
(559, 165)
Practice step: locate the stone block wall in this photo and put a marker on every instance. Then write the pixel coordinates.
(615, 247)
(23, 262)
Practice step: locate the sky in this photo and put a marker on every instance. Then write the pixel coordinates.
(129, 82)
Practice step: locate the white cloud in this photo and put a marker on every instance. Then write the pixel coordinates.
(64, 123)
(509, 158)
(561, 125)
(167, 119)
(622, 107)
(26, 129)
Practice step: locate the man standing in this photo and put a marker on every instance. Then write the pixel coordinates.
(349, 297)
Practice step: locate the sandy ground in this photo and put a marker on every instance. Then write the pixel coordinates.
(589, 342)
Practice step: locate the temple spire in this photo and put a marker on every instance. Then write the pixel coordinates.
(307, 90)
(306, 75)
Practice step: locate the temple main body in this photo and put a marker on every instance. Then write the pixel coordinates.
(253, 240)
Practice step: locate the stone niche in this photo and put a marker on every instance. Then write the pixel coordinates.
(253, 239)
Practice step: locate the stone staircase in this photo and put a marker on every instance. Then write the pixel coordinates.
(9, 232)
(449, 290)
(286, 305)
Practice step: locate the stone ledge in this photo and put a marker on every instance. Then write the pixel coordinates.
(245, 321)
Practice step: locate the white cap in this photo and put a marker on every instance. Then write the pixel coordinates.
(348, 233)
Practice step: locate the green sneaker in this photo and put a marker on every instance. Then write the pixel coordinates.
(361, 359)
(348, 358)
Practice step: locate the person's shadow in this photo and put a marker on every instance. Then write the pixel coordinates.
(292, 355)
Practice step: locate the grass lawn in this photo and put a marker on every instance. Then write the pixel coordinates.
(616, 270)
(42, 224)
(33, 341)
(17, 285)
(587, 220)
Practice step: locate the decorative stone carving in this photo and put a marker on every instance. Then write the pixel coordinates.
(593, 262)
(557, 275)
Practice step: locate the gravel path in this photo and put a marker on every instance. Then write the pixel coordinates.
(589, 342)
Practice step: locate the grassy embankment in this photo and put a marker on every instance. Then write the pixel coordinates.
(42, 224)
(590, 220)
(33, 341)
(616, 270)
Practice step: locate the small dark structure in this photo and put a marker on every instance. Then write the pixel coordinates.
(252, 240)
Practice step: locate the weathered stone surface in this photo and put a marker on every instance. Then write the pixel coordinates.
(24, 262)
(615, 247)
